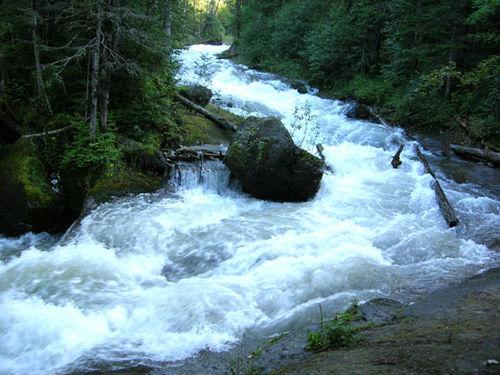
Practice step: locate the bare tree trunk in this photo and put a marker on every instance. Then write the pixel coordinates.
(167, 22)
(87, 87)
(105, 79)
(105, 86)
(95, 73)
(42, 94)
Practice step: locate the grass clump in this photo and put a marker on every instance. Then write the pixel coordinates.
(336, 333)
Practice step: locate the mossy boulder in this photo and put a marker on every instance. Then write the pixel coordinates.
(197, 94)
(264, 158)
(120, 183)
(27, 200)
(200, 130)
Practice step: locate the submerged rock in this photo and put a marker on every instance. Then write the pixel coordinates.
(362, 112)
(301, 86)
(197, 94)
(27, 200)
(264, 158)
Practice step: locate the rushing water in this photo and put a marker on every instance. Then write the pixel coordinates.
(159, 277)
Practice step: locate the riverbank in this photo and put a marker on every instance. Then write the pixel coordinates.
(48, 181)
(453, 330)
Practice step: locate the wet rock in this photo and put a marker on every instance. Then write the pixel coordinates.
(197, 94)
(381, 310)
(362, 112)
(122, 183)
(27, 200)
(264, 158)
(229, 53)
(301, 86)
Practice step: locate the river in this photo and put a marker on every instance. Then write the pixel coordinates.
(159, 277)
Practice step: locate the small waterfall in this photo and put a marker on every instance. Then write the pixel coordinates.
(209, 175)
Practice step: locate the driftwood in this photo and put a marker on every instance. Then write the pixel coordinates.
(196, 153)
(219, 120)
(476, 153)
(396, 161)
(320, 149)
(447, 210)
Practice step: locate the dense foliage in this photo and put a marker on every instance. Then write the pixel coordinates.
(91, 84)
(431, 64)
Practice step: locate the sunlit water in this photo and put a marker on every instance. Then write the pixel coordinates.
(159, 277)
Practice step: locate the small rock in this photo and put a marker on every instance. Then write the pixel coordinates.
(301, 86)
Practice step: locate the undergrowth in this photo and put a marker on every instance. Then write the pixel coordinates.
(336, 333)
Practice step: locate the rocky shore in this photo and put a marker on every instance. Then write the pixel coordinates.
(451, 331)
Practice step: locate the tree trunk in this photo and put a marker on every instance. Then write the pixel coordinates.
(444, 205)
(95, 73)
(167, 23)
(42, 94)
(105, 86)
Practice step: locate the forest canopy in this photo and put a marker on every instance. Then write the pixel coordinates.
(426, 64)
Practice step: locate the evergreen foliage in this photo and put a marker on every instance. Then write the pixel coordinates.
(427, 64)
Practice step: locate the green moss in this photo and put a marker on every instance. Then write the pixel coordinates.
(122, 182)
(199, 130)
(23, 167)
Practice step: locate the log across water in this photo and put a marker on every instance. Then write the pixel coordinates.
(446, 209)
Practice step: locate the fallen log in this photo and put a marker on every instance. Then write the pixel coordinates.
(320, 149)
(196, 153)
(396, 161)
(424, 161)
(50, 132)
(447, 210)
(219, 120)
(476, 153)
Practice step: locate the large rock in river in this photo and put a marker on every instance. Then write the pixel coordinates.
(360, 111)
(27, 200)
(197, 94)
(264, 158)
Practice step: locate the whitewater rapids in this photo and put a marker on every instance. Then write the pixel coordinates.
(159, 277)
